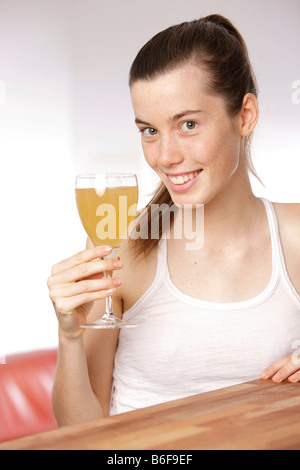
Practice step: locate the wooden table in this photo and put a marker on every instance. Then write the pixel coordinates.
(254, 415)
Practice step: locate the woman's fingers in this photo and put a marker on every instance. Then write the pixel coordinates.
(273, 368)
(284, 368)
(77, 282)
(295, 377)
(82, 257)
(85, 286)
(84, 270)
(67, 305)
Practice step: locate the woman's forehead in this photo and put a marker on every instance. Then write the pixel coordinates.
(175, 92)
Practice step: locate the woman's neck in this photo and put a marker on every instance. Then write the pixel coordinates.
(229, 217)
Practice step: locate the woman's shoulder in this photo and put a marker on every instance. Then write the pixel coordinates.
(288, 215)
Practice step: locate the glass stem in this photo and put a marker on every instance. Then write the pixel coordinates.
(109, 301)
(109, 306)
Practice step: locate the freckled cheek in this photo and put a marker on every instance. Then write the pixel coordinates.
(224, 167)
(220, 157)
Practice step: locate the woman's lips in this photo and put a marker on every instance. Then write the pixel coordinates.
(182, 182)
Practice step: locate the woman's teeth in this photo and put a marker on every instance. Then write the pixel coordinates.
(183, 178)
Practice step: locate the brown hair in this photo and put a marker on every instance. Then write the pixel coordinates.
(215, 44)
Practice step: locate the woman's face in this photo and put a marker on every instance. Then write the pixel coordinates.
(187, 136)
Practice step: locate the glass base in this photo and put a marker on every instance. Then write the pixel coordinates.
(108, 322)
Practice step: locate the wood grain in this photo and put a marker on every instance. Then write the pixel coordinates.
(255, 415)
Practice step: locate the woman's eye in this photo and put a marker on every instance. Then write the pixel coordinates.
(149, 132)
(188, 125)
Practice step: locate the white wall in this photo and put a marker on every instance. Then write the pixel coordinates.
(67, 110)
(37, 213)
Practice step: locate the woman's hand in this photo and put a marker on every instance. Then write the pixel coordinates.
(77, 282)
(287, 367)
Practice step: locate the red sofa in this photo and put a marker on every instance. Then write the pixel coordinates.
(25, 394)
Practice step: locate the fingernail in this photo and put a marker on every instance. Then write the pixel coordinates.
(107, 249)
(294, 378)
(117, 282)
(117, 264)
(277, 378)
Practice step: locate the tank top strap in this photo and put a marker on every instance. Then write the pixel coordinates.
(161, 268)
(278, 256)
(162, 261)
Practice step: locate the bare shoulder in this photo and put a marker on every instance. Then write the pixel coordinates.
(288, 216)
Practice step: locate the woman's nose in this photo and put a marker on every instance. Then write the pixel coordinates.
(169, 152)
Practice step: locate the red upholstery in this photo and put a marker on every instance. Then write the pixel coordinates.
(25, 394)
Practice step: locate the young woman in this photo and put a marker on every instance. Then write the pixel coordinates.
(209, 318)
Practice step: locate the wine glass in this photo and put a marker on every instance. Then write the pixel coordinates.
(107, 205)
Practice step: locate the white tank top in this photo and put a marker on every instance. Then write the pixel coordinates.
(185, 346)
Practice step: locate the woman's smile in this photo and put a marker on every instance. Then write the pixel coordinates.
(184, 181)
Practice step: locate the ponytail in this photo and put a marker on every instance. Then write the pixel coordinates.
(225, 23)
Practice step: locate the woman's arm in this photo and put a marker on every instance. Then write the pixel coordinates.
(73, 400)
(288, 216)
(77, 289)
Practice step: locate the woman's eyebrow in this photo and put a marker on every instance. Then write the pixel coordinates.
(139, 121)
(184, 113)
(173, 118)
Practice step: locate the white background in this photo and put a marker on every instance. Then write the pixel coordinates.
(65, 108)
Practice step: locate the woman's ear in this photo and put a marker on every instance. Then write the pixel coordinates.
(248, 114)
